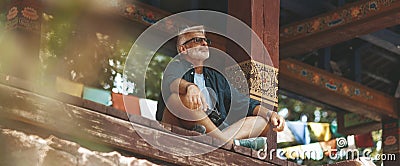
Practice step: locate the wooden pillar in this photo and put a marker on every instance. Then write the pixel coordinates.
(325, 59)
(263, 17)
(264, 20)
(20, 50)
(356, 65)
(390, 141)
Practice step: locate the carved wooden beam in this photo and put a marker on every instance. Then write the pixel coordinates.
(140, 12)
(345, 23)
(336, 91)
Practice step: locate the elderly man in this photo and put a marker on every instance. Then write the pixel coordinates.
(187, 100)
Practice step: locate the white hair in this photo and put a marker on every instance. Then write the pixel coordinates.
(181, 34)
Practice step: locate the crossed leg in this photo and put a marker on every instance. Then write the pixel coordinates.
(184, 117)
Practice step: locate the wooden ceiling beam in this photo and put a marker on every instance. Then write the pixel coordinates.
(334, 90)
(385, 39)
(306, 8)
(374, 51)
(347, 22)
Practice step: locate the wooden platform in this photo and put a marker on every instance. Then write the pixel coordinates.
(34, 109)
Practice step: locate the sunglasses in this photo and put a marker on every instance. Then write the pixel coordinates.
(198, 40)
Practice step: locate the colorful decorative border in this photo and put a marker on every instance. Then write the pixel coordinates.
(138, 13)
(339, 17)
(145, 14)
(24, 15)
(391, 135)
(330, 83)
(262, 80)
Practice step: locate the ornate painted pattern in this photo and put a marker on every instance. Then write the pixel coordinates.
(262, 80)
(25, 14)
(142, 13)
(330, 83)
(339, 17)
(238, 78)
(139, 13)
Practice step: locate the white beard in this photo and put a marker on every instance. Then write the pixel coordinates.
(198, 53)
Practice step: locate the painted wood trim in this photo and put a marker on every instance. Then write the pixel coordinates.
(335, 90)
(345, 23)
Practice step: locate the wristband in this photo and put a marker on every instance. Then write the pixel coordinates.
(268, 116)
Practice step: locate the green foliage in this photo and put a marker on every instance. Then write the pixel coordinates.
(94, 58)
(298, 108)
(137, 72)
(154, 75)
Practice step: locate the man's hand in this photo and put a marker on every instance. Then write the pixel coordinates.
(189, 94)
(271, 116)
(195, 98)
(277, 121)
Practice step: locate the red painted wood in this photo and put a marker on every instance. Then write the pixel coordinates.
(328, 88)
(345, 23)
